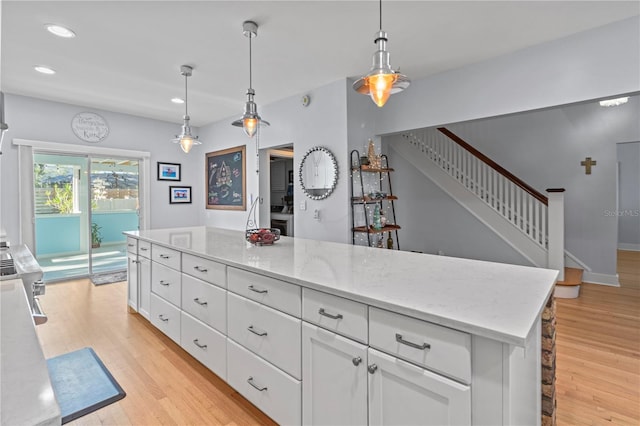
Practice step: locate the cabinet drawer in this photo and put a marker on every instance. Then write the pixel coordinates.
(132, 245)
(204, 344)
(271, 334)
(144, 249)
(269, 389)
(334, 313)
(275, 293)
(205, 301)
(205, 269)
(435, 347)
(165, 317)
(165, 282)
(166, 256)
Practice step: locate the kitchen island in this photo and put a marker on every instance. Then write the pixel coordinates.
(455, 340)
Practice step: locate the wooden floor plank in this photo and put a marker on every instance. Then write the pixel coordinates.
(598, 351)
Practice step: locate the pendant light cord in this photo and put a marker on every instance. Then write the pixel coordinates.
(186, 103)
(250, 79)
(380, 15)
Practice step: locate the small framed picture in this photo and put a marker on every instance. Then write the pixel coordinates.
(179, 195)
(169, 171)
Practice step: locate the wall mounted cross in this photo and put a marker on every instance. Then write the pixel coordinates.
(587, 163)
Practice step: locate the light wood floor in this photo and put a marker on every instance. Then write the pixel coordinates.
(164, 384)
(598, 351)
(598, 357)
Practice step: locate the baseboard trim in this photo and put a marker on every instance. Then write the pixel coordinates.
(602, 279)
(628, 246)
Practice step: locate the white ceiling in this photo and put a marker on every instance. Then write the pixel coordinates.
(127, 54)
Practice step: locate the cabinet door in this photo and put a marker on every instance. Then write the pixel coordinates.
(401, 393)
(144, 285)
(132, 280)
(334, 371)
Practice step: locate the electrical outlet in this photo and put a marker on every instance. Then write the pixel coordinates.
(303, 205)
(440, 253)
(316, 214)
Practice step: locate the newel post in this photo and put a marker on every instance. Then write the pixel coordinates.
(555, 220)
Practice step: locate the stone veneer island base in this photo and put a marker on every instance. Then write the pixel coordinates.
(314, 332)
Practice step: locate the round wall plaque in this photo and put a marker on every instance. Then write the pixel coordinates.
(90, 127)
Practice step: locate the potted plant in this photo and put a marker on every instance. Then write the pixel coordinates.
(96, 236)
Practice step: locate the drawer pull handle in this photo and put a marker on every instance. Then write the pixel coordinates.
(144, 248)
(322, 312)
(356, 361)
(164, 283)
(131, 245)
(195, 341)
(372, 368)
(135, 261)
(423, 346)
(250, 381)
(257, 290)
(200, 269)
(257, 333)
(162, 318)
(164, 256)
(197, 300)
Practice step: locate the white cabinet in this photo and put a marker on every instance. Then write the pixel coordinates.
(204, 344)
(165, 317)
(401, 393)
(132, 280)
(166, 282)
(144, 286)
(334, 368)
(205, 301)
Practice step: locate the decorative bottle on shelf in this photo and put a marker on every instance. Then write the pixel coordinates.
(377, 224)
(389, 241)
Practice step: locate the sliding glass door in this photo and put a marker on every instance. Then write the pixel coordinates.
(82, 204)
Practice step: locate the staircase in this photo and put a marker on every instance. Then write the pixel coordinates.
(530, 222)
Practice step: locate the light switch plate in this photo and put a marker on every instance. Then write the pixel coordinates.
(303, 205)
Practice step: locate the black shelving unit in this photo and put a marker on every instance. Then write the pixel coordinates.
(367, 201)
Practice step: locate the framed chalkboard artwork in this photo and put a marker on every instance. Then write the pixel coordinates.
(226, 179)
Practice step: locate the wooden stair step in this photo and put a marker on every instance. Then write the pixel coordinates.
(572, 276)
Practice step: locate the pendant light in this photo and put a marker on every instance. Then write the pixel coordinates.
(250, 120)
(186, 139)
(381, 81)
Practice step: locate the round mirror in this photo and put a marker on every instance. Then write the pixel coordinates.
(318, 173)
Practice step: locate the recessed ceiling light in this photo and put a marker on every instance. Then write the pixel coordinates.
(44, 70)
(60, 31)
(177, 100)
(614, 102)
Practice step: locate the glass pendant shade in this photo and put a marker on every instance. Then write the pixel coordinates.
(186, 139)
(382, 81)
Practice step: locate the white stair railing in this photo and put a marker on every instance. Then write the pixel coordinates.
(523, 207)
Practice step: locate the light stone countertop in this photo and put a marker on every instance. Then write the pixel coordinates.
(493, 300)
(26, 394)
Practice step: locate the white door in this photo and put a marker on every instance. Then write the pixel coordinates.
(144, 285)
(401, 393)
(132, 277)
(334, 378)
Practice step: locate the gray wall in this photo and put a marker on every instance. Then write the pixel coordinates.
(628, 211)
(41, 120)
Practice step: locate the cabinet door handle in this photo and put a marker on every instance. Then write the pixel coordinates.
(164, 256)
(135, 261)
(164, 283)
(423, 346)
(131, 245)
(195, 341)
(162, 318)
(250, 381)
(322, 312)
(200, 269)
(356, 361)
(197, 300)
(372, 368)
(257, 290)
(144, 248)
(257, 333)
